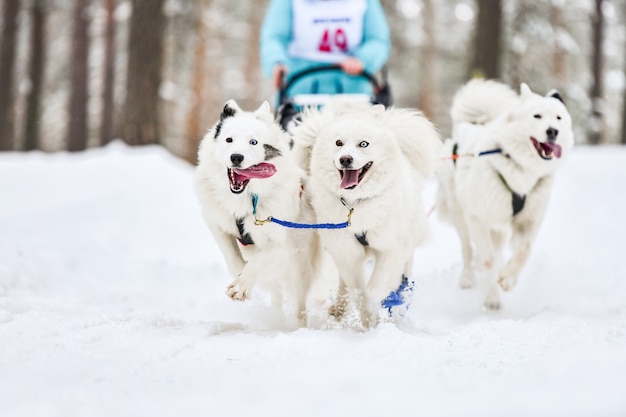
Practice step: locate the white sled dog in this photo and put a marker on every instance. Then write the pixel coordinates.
(373, 161)
(247, 171)
(497, 199)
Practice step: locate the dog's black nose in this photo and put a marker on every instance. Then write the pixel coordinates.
(346, 161)
(236, 159)
(552, 133)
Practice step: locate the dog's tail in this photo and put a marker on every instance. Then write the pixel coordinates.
(481, 101)
(418, 138)
(305, 134)
(307, 130)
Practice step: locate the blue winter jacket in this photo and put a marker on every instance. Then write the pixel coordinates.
(372, 52)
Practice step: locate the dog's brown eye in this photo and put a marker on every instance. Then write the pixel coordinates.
(229, 140)
(339, 143)
(558, 117)
(537, 116)
(363, 144)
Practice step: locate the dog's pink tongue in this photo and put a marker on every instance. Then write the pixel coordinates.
(550, 147)
(350, 178)
(262, 170)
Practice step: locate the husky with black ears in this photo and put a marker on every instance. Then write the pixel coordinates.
(247, 172)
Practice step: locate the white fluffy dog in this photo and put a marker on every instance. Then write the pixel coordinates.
(497, 199)
(246, 172)
(373, 161)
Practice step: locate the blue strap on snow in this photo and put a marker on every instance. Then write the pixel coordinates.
(396, 298)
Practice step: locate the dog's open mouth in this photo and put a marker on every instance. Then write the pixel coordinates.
(547, 150)
(350, 178)
(240, 177)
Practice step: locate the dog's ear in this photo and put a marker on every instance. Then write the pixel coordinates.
(524, 90)
(264, 108)
(378, 109)
(230, 108)
(264, 112)
(555, 94)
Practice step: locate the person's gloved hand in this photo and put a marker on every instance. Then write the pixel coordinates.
(352, 66)
(278, 75)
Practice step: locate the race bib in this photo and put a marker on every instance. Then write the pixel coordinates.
(326, 30)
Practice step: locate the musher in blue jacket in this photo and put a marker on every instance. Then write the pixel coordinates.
(300, 34)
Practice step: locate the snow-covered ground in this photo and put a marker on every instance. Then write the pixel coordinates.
(112, 304)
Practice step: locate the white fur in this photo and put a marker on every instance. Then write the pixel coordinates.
(281, 261)
(488, 115)
(403, 147)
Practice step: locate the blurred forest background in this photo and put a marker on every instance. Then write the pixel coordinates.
(79, 73)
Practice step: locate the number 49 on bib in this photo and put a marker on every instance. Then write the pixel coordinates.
(332, 41)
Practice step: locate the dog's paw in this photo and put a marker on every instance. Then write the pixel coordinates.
(338, 309)
(467, 281)
(507, 283)
(236, 291)
(493, 301)
(493, 305)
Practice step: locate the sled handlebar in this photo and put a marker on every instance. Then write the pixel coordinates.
(285, 86)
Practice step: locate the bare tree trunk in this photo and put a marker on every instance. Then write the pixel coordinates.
(426, 100)
(78, 133)
(253, 63)
(558, 59)
(145, 59)
(623, 141)
(486, 60)
(596, 129)
(36, 72)
(194, 130)
(402, 48)
(624, 101)
(515, 57)
(7, 60)
(213, 92)
(107, 123)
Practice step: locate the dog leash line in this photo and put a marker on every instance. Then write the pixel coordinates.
(456, 156)
(305, 225)
(490, 152)
(294, 225)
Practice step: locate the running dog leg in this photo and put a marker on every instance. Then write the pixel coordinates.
(230, 250)
(386, 277)
(480, 235)
(525, 230)
(511, 271)
(468, 276)
(271, 261)
(493, 301)
(338, 309)
(484, 260)
(521, 243)
(349, 258)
